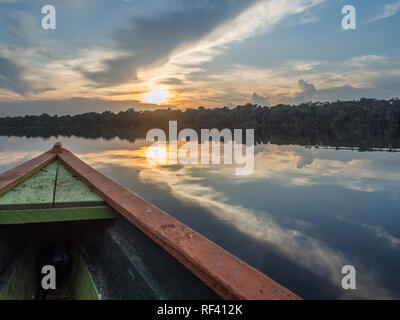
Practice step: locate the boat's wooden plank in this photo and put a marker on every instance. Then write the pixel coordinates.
(13, 177)
(71, 191)
(82, 284)
(227, 275)
(21, 283)
(36, 191)
(56, 215)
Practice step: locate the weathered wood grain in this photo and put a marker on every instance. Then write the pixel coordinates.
(71, 191)
(56, 215)
(37, 190)
(13, 177)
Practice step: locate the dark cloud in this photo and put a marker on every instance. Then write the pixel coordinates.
(259, 100)
(307, 90)
(389, 84)
(342, 93)
(223, 97)
(306, 158)
(151, 39)
(383, 88)
(117, 71)
(72, 106)
(172, 81)
(11, 76)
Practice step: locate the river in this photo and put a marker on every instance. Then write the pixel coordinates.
(302, 215)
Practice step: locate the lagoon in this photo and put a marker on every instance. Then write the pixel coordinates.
(303, 213)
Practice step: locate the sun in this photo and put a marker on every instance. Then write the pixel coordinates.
(156, 96)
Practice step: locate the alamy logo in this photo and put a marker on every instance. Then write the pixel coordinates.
(180, 150)
(49, 20)
(349, 20)
(349, 280)
(49, 280)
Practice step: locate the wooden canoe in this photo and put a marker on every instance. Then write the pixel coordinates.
(106, 242)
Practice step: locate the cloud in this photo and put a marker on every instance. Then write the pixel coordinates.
(299, 247)
(381, 232)
(343, 93)
(169, 45)
(281, 163)
(11, 76)
(367, 61)
(179, 41)
(307, 90)
(22, 27)
(116, 71)
(151, 40)
(388, 10)
(378, 231)
(259, 100)
(374, 86)
(72, 106)
(306, 158)
(175, 81)
(302, 66)
(196, 50)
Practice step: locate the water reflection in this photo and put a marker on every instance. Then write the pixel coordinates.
(301, 215)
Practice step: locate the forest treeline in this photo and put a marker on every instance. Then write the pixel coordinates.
(365, 123)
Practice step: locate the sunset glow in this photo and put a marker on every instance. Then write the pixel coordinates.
(156, 96)
(145, 56)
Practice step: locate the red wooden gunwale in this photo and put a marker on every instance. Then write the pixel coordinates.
(227, 275)
(13, 177)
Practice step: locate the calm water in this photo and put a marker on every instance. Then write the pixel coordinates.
(301, 216)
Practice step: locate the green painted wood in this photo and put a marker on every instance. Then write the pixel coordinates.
(56, 215)
(82, 284)
(37, 190)
(70, 189)
(53, 186)
(21, 283)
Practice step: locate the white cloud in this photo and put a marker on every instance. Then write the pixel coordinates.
(388, 10)
(381, 232)
(300, 65)
(378, 231)
(367, 60)
(261, 18)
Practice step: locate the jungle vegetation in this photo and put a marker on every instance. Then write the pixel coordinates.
(364, 123)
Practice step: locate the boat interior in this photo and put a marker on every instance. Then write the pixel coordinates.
(102, 259)
(54, 218)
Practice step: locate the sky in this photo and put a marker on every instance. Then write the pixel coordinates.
(117, 54)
